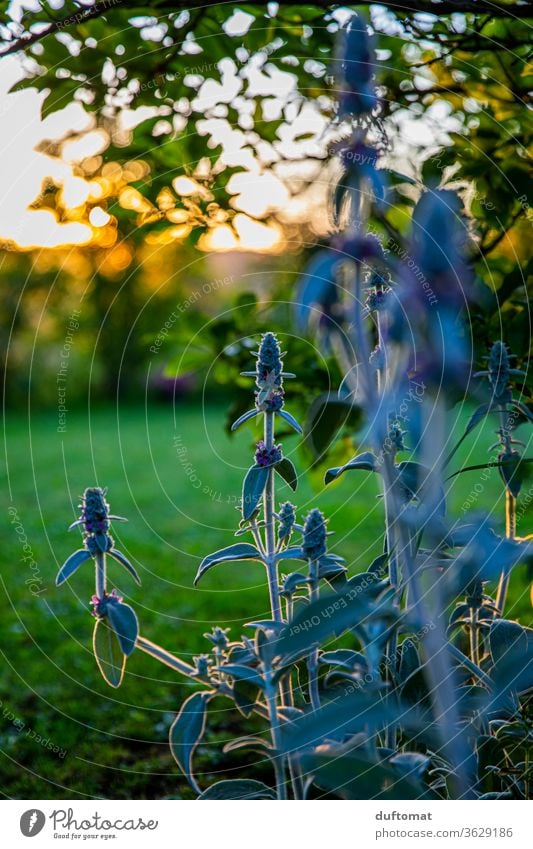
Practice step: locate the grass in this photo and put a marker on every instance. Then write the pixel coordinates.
(176, 476)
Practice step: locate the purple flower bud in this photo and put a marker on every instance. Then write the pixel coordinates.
(96, 543)
(395, 437)
(286, 518)
(377, 300)
(269, 402)
(499, 369)
(94, 511)
(267, 456)
(269, 375)
(357, 60)
(218, 637)
(202, 663)
(436, 262)
(100, 605)
(314, 535)
(269, 364)
(359, 248)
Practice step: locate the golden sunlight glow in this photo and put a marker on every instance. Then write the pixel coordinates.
(44, 231)
(185, 186)
(82, 179)
(75, 192)
(130, 198)
(90, 144)
(246, 235)
(99, 217)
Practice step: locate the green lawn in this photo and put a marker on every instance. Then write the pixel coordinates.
(176, 476)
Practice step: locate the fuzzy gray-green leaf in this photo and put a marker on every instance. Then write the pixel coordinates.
(124, 622)
(72, 565)
(239, 788)
(237, 551)
(186, 732)
(286, 469)
(109, 656)
(253, 488)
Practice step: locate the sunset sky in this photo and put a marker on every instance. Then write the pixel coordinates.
(257, 190)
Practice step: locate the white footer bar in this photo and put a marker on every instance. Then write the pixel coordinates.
(252, 825)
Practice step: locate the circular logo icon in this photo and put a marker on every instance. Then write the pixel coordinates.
(32, 822)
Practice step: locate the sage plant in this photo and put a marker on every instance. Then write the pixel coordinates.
(413, 297)
(358, 721)
(428, 693)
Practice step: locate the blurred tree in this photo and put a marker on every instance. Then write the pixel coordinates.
(208, 100)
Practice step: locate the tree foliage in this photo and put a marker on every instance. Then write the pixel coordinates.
(229, 93)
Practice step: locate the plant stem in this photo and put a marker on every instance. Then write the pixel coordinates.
(474, 645)
(166, 657)
(279, 770)
(360, 335)
(510, 515)
(312, 661)
(270, 538)
(391, 648)
(466, 662)
(257, 536)
(275, 607)
(510, 533)
(100, 574)
(440, 680)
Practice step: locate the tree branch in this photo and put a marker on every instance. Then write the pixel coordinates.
(517, 11)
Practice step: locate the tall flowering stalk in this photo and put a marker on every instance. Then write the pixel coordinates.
(259, 481)
(413, 297)
(313, 548)
(116, 628)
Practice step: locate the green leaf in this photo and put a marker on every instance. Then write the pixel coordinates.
(253, 488)
(511, 646)
(72, 565)
(243, 673)
(186, 732)
(476, 417)
(286, 469)
(119, 557)
(253, 743)
(326, 416)
(353, 711)
(292, 553)
(244, 418)
(365, 461)
(513, 471)
(266, 625)
(330, 616)
(245, 695)
(330, 565)
(354, 775)
(523, 409)
(293, 581)
(238, 551)
(506, 639)
(290, 420)
(347, 658)
(412, 763)
(239, 788)
(125, 624)
(109, 656)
